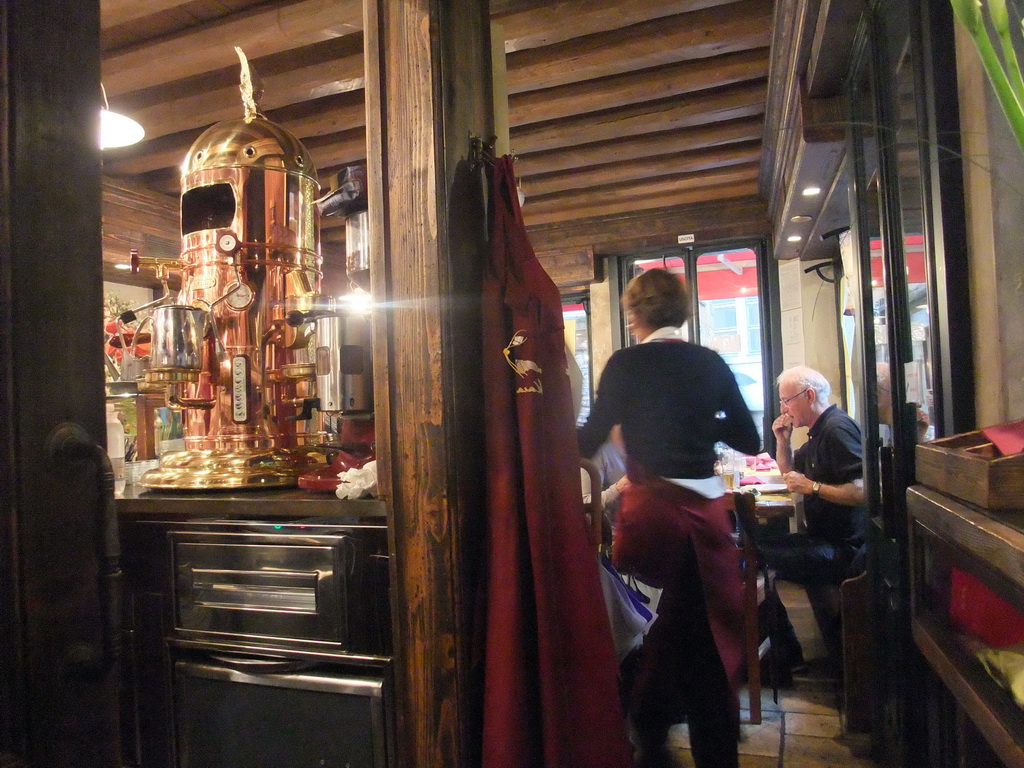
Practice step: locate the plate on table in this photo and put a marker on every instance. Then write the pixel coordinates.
(769, 487)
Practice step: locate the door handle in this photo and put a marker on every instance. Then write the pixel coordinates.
(886, 478)
(69, 442)
(252, 665)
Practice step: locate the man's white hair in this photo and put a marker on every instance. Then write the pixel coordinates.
(806, 378)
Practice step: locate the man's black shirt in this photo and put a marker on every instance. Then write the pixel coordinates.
(832, 455)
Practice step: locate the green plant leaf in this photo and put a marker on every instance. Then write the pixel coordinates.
(968, 13)
(1001, 24)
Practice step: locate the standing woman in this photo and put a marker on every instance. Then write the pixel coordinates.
(674, 400)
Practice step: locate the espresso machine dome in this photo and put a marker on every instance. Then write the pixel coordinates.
(234, 350)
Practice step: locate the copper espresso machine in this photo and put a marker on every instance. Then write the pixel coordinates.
(234, 351)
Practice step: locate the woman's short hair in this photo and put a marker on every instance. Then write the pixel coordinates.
(804, 378)
(658, 298)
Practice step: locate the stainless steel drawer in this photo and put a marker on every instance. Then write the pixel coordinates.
(251, 585)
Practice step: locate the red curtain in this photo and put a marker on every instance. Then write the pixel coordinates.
(550, 670)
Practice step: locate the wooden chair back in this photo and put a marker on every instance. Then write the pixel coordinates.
(594, 508)
(756, 585)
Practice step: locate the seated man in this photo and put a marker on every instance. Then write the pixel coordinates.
(828, 471)
(883, 384)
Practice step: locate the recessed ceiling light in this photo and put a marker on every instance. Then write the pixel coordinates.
(800, 219)
(811, 191)
(794, 238)
(122, 266)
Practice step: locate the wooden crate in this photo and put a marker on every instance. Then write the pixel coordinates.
(969, 467)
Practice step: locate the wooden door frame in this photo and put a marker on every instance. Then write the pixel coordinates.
(57, 708)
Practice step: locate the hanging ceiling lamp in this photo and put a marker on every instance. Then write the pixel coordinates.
(117, 130)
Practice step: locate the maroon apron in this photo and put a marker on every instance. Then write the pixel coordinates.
(656, 522)
(550, 669)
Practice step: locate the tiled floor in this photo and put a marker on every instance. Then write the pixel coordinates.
(804, 730)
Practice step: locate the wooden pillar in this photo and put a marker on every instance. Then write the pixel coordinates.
(58, 688)
(427, 90)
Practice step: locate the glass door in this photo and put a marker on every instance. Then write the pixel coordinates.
(891, 245)
(576, 316)
(904, 248)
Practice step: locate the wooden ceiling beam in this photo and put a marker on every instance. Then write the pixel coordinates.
(537, 25)
(269, 29)
(635, 148)
(744, 100)
(643, 188)
(570, 268)
(114, 13)
(701, 108)
(320, 117)
(653, 202)
(637, 87)
(664, 191)
(639, 231)
(331, 153)
(647, 168)
(340, 71)
(740, 26)
(154, 154)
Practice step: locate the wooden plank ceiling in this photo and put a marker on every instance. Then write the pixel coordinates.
(632, 122)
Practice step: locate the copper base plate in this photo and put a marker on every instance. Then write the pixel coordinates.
(201, 470)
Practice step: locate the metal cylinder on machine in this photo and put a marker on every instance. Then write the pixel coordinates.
(344, 362)
(177, 336)
(357, 248)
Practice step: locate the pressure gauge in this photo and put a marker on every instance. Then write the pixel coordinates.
(227, 243)
(240, 298)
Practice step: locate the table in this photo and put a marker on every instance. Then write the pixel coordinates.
(775, 505)
(772, 505)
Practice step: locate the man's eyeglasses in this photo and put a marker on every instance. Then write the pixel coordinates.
(786, 400)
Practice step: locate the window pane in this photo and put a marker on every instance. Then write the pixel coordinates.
(730, 320)
(577, 341)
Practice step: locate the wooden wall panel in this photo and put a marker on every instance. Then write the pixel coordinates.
(570, 268)
(141, 219)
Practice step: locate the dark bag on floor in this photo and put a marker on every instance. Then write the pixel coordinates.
(785, 654)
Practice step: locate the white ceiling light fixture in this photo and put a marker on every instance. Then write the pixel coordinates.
(794, 238)
(811, 191)
(122, 265)
(117, 130)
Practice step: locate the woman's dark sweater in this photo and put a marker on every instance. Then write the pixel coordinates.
(674, 400)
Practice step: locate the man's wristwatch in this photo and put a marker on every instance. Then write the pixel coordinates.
(815, 487)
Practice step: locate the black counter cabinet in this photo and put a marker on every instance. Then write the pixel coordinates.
(159, 641)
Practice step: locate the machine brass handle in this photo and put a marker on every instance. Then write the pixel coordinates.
(297, 317)
(69, 442)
